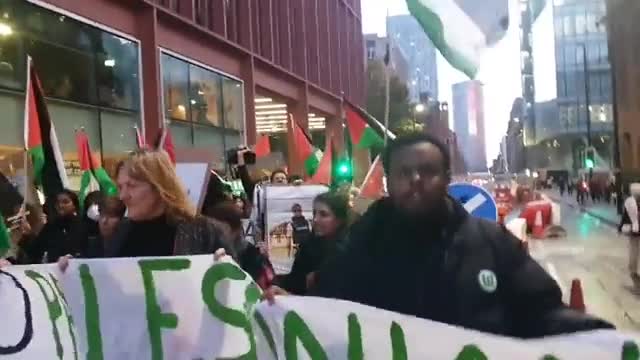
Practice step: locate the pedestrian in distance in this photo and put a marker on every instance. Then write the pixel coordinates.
(418, 252)
(561, 186)
(630, 226)
(582, 191)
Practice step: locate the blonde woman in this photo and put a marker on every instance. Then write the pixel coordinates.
(161, 220)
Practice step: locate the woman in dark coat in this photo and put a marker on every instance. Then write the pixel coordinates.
(64, 233)
(330, 222)
(161, 221)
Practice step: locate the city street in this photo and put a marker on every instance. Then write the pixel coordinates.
(594, 253)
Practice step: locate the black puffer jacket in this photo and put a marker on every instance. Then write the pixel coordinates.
(460, 270)
(312, 255)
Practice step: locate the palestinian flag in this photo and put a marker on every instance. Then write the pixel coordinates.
(324, 173)
(40, 139)
(263, 146)
(5, 238)
(374, 185)
(92, 170)
(363, 136)
(165, 142)
(462, 29)
(537, 6)
(308, 154)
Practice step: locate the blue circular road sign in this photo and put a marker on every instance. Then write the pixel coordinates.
(475, 199)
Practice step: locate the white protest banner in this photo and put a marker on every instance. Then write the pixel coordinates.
(163, 308)
(303, 327)
(194, 308)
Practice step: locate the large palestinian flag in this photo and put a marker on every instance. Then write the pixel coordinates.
(92, 170)
(308, 154)
(324, 173)
(462, 29)
(41, 140)
(362, 135)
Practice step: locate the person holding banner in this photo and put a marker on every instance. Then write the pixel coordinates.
(251, 258)
(161, 220)
(419, 252)
(65, 233)
(330, 222)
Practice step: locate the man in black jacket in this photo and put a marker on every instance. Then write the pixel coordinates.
(418, 252)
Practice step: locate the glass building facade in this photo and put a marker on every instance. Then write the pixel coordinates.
(583, 78)
(420, 54)
(205, 108)
(90, 79)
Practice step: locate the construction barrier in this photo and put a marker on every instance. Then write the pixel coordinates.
(538, 226)
(556, 214)
(531, 209)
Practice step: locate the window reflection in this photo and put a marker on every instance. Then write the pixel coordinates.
(76, 63)
(205, 96)
(209, 105)
(233, 104)
(117, 67)
(64, 73)
(11, 57)
(175, 80)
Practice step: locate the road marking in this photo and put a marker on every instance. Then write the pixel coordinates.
(474, 203)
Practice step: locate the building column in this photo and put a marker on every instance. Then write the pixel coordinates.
(151, 84)
(300, 112)
(248, 75)
(334, 129)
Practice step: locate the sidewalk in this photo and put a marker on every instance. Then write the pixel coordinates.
(607, 213)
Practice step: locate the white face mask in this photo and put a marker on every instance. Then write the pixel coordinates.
(93, 212)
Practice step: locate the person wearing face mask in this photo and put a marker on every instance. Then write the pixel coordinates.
(161, 221)
(330, 222)
(63, 234)
(107, 214)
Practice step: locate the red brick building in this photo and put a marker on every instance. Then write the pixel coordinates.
(220, 71)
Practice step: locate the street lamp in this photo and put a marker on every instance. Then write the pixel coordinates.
(418, 109)
(587, 98)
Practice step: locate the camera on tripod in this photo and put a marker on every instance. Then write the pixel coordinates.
(248, 156)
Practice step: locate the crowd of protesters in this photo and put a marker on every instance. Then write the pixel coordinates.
(416, 251)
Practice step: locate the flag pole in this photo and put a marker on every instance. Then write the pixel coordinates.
(387, 79)
(26, 137)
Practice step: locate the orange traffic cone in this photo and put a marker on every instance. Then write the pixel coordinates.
(538, 227)
(576, 301)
